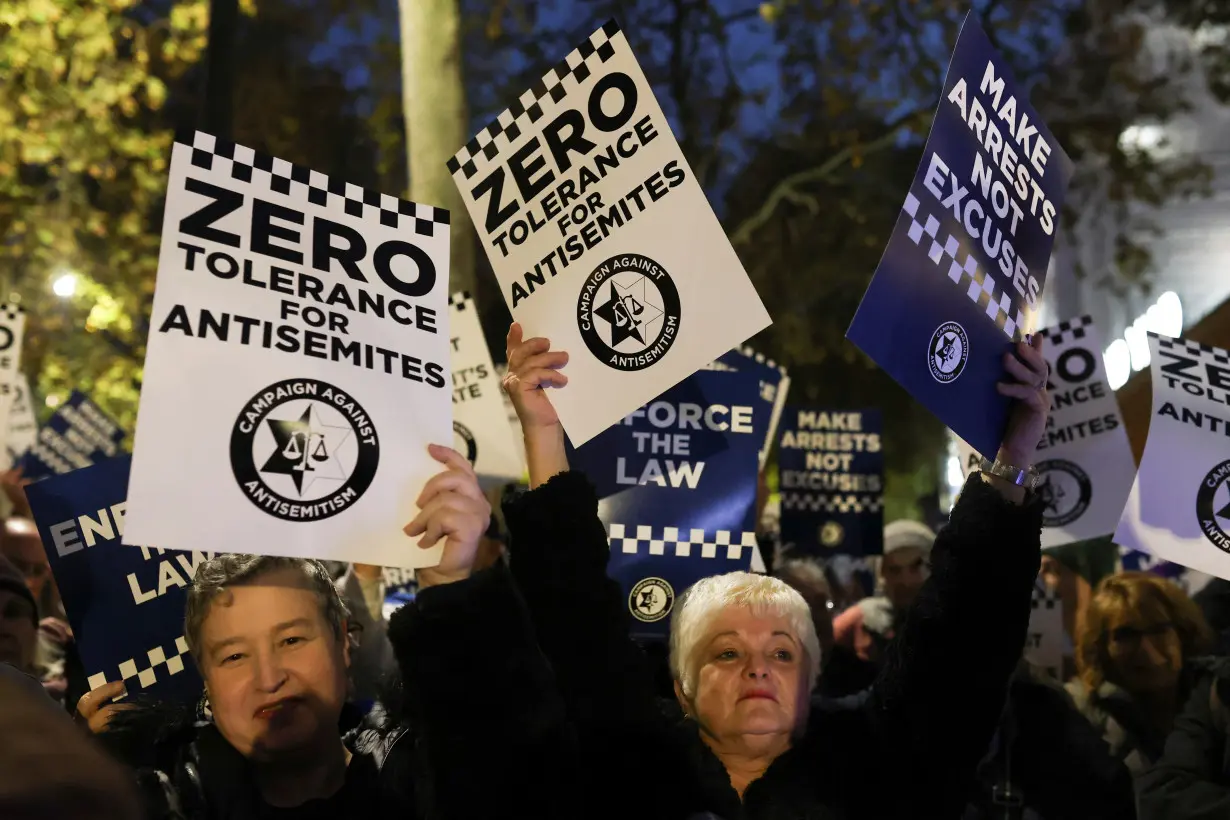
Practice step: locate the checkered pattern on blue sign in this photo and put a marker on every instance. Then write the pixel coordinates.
(1065, 332)
(156, 665)
(981, 288)
(813, 502)
(680, 542)
(1197, 349)
(761, 358)
(1043, 600)
(247, 165)
(506, 128)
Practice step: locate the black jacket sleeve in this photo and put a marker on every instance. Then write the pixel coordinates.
(483, 703)
(935, 705)
(1189, 781)
(559, 552)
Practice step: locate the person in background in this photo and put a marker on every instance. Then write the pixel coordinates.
(20, 544)
(1214, 602)
(866, 628)
(18, 621)
(1191, 780)
(1134, 664)
(270, 638)
(49, 770)
(1072, 572)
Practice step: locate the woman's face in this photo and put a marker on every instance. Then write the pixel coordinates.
(752, 677)
(1146, 655)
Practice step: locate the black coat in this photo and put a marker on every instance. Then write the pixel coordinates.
(908, 748)
(479, 695)
(1049, 759)
(1191, 780)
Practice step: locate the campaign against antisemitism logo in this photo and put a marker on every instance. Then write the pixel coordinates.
(303, 450)
(1179, 507)
(299, 329)
(12, 329)
(1084, 460)
(77, 435)
(677, 484)
(831, 478)
(481, 431)
(125, 604)
(601, 238)
(948, 351)
(22, 425)
(964, 269)
(628, 312)
(774, 388)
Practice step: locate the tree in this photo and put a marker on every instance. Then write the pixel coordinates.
(437, 120)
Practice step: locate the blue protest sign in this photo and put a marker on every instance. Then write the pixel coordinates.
(125, 604)
(774, 386)
(77, 435)
(963, 272)
(677, 482)
(831, 471)
(400, 587)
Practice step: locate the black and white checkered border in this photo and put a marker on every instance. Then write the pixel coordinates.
(720, 367)
(634, 539)
(146, 671)
(982, 288)
(813, 502)
(1197, 349)
(1065, 332)
(762, 359)
(247, 165)
(461, 301)
(507, 126)
(11, 312)
(1044, 600)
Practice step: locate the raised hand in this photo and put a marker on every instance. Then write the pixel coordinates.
(96, 707)
(533, 366)
(452, 509)
(1027, 419)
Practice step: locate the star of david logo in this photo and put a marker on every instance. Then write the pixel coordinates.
(628, 312)
(647, 602)
(1051, 493)
(305, 449)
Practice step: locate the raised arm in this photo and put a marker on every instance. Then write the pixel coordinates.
(559, 553)
(488, 719)
(935, 706)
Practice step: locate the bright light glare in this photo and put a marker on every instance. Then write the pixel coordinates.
(53, 401)
(1164, 317)
(65, 285)
(956, 478)
(1118, 360)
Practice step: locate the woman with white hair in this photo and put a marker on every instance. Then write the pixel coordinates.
(745, 738)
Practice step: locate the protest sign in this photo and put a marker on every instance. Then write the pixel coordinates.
(297, 365)
(22, 425)
(677, 483)
(77, 435)
(601, 237)
(774, 387)
(125, 604)
(831, 479)
(480, 420)
(12, 328)
(400, 587)
(962, 275)
(1179, 507)
(1084, 458)
(1045, 643)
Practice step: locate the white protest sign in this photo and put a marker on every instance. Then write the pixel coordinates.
(297, 364)
(12, 328)
(22, 424)
(1045, 642)
(1179, 507)
(480, 420)
(602, 239)
(1084, 459)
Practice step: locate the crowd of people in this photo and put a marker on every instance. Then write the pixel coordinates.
(509, 686)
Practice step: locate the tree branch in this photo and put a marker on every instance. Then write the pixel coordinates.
(786, 189)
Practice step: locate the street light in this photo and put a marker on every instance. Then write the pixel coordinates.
(65, 285)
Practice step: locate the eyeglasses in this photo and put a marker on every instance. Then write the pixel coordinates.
(1132, 636)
